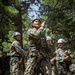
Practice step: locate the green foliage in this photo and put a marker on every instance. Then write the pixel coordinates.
(11, 10)
(62, 19)
(52, 3)
(12, 15)
(60, 13)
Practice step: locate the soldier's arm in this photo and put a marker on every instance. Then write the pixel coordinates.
(34, 33)
(66, 58)
(52, 60)
(68, 55)
(18, 49)
(59, 56)
(31, 33)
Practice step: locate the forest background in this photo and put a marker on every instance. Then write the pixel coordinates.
(17, 15)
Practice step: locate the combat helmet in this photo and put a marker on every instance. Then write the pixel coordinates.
(36, 19)
(16, 33)
(61, 40)
(48, 38)
(4, 51)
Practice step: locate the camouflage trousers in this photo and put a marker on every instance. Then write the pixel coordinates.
(16, 68)
(32, 63)
(53, 70)
(61, 68)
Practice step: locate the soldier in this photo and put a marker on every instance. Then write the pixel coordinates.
(63, 58)
(17, 53)
(51, 49)
(5, 63)
(50, 44)
(37, 50)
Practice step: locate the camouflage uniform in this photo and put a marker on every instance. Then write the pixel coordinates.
(51, 52)
(36, 53)
(62, 66)
(5, 65)
(16, 58)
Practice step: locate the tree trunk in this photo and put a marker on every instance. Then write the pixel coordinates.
(19, 24)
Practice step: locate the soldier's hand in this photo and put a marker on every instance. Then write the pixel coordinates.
(67, 58)
(43, 24)
(52, 60)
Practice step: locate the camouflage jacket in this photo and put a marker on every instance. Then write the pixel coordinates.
(35, 35)
(61, 54)
(16, 49)
(51, 51)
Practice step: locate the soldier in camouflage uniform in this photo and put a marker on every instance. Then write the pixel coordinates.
(17, 53)
(5, 63)
(51, 49)
(37, 50)
(63, 58)
(50, 43)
